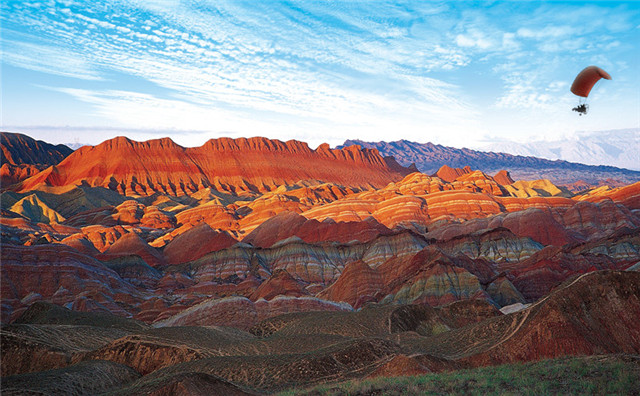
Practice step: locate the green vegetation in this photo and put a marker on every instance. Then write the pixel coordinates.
(599, 375)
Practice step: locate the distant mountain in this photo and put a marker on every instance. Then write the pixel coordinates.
(619, 148)
(429, 157)
(18, 149)
(227, 165)
(23, 156)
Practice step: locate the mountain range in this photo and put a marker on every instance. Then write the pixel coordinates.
(228, 165)
(251, 266)
(429, 157)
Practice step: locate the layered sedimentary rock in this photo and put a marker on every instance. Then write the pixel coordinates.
(60, 274)
(281, 283)
(419, 200)
(433, 277)
(288, 224)
(358, 284)
(132, 245)
(561, 324)
(195, 243)
(559, 224)
(35, 210)
(535, 188)
(628, 196)
(450, 174)
(82, 203)
(242, 313)
(12, 174)
(329, 264)
(496, 245)
(503, 177)
(312, 264)
(536, 276)
(23, 156)
(227, 165)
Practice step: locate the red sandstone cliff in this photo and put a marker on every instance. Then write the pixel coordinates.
(228, 165)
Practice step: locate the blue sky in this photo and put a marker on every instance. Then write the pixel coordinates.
(454, 73)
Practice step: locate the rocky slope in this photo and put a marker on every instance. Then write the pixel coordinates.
(267, 281)
(593, 314)
(23, 157)
(226, 165)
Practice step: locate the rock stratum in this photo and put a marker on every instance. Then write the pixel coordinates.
(23, 157)
(249, 266)
(229, 165)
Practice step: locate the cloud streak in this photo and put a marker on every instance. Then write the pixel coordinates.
(311, 66)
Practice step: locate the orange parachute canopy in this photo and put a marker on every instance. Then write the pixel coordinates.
(587, 79)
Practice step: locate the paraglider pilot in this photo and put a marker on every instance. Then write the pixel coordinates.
(583, 83)
(582, 109)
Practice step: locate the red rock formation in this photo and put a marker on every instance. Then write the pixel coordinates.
(357, 285)
(12, 174)
(450, 174)
(228, 165)
(102, 237)
(131, 244)
(281, 283)
(195, 243)
(288, 224)
(496, 245)
(130, 212)
(81, 244)
(595, 314)
(628, 196)
(537, 224)
(59, 274)
(434, 278)
(536, 276)
(212, 213)
(419, 200)
(21, 149)
(478, 181)
(503, 177)
(99, 216)
(23, 157)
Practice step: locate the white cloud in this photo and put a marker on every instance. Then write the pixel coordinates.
(349, 67)
(47, 59)
(475, 39)
(547, 32)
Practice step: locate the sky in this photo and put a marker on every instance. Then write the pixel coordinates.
(462, 74)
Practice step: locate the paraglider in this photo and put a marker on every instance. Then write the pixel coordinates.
(583, 83)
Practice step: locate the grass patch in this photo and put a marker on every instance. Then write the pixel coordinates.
(610, 375)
